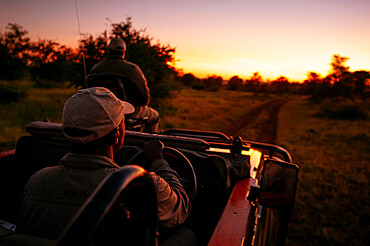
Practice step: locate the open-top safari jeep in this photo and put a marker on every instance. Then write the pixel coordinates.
(242, 192)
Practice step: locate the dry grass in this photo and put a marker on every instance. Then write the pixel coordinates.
(202, 110)
(40, 104)
(332, 206)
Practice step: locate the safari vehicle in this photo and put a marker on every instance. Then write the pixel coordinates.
(242, 192)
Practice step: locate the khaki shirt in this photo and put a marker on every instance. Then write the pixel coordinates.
(137, 90)
(53, 195)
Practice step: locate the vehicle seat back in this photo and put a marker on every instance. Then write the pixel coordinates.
(19, 239)
(31, 155)
(121, 211)
(114, 83)
(34, 153)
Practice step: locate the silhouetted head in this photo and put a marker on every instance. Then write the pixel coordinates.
(117, 47)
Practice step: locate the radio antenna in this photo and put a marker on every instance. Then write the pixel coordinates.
(83, 55)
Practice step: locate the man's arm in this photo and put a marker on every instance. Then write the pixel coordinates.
(173, 202)
(138, 78)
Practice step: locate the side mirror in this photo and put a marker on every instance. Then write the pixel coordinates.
(278, 184)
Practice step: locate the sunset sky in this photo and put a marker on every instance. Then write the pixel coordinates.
(233, 37)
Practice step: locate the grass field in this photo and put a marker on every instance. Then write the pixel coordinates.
(205, 110)
(40, 104)
(332, 205)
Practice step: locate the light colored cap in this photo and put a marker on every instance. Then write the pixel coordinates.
(117, 44)
(96, 111)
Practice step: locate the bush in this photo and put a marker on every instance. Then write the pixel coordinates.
(11, 92)
(344, 111)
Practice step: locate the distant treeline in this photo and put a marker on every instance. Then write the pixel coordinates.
(50, 64)
(340, 83)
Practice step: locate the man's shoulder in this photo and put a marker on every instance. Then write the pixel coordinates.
(117, 62)
(47, 175)
(46, 172)
(132, 65)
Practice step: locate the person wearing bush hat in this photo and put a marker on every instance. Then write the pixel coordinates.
(136, 90)
(92, 113)
(93, 123)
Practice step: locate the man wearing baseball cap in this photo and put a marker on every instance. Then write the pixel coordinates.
(93, 122)
(137, 90)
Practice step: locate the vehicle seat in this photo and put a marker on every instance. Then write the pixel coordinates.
(114, 83)
(11, 238)
(19, 239)
(32, 153)
(121, 211)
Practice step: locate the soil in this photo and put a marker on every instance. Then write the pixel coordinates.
(267, 129)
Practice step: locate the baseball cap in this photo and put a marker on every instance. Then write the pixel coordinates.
(117, 44)
(93, 111)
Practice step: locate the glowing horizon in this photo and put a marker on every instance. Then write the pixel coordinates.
(212, 37)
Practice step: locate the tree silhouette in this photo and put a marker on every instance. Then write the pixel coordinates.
(212, 83)
(235, 83)
(189, 79)
(254, 83)
(14, 45)
(337, 65)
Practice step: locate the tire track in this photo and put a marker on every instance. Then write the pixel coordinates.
(268, 128)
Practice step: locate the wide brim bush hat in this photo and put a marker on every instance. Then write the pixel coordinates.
(92, 113)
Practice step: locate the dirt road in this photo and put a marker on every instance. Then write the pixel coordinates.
(267, 128)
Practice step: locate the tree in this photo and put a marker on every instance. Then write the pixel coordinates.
(280, 85)
(317, 87)
(255, 79)
(155, 60)
(189, 79)
(235, 83)
(93, 50)
(337, 65)
(14, 47)
(213, 83)
(254, 83)
(50, 64)
(360, 78)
